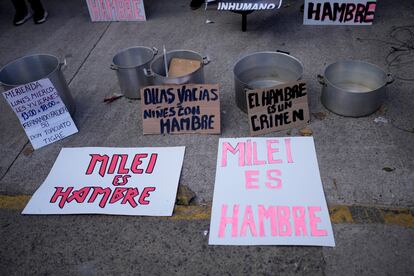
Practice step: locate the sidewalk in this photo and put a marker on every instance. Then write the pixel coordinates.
(352, 152)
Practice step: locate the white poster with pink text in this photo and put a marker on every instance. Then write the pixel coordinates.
(268, 191)
(115, 181)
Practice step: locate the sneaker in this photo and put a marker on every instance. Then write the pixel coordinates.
(19, 18)
(195, 4)
(40, 18)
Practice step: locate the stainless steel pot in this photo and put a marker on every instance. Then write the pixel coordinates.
(36, 67)
(129, 64)
(262, 70)
(158, 74)
(353, 88)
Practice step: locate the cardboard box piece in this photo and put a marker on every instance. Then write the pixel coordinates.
(181, 67)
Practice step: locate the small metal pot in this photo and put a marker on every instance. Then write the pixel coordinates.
(36, 67)
(263, 70)
(353, 88)
(129, 64)
(158, 74)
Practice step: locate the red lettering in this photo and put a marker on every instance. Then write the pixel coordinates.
(122, 169)
(130, 197)
(98, 158)
(117, 195)
(145, 194)
(80, 195)
(63, 195)
(152, 162)
(136, 162)
(99, 191)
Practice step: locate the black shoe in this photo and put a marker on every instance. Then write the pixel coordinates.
(20, 18)
(195, 4)
(40, 18)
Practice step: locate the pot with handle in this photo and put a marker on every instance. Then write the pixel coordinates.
(353, 88)
(129, 64)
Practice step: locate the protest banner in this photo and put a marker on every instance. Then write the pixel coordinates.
(244, 5)
(339, 12)
(268, 191)
(116, 10)
(277, 108)
(41, 112)
(116, 181)
(179, 109)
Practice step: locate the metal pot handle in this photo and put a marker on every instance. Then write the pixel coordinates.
(154, 51)
(113, 67)
(206, 60)
(148, 73)
(390, 79)
(283, 52)
(321, 80)
(63, 64)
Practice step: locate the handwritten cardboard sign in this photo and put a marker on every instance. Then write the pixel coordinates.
(244, 5)
(178, 109)
(269, 191)
(116, 181)
(339, 12)
(277, 108)
(116, 10)
(41, 112)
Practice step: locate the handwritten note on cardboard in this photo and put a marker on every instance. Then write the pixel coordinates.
(277, 108)
(116, 10)
(178, 109)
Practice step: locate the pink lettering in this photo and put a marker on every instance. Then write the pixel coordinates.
(299, 220)
(97, 158)
(283, 214)
(314, 220)
(270, 213)
(250, 179)
(233, 220)
(288, 150)
(63, 196)
(248, 221)
(145, 194)
(271, 150)
(271, 175)
(255, 159)
(240, 148)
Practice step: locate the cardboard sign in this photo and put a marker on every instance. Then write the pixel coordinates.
(244, 5)
(116, 181)
(268, 191)
(178, 109)
(116, 10)
(277, 108)
(41, 112)
(339, 12)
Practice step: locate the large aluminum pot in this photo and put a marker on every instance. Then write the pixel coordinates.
(353, 88)
(263, 70)
(129, 65)
(36, 67)
(158, 74)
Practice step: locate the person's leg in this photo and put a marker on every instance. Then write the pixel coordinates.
(195, 4)
(22, 14)
(39, 13)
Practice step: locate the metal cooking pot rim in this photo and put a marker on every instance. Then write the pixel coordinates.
(134, 66)
(27, 56)
(354, 61)
(174, 51)
(263, 52)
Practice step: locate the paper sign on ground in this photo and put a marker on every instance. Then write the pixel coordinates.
(244, 5)
(116, 10)
(178, 109)
(268, 191)
(339, 12)
(115, 181)
(277, 108)
(41, 112)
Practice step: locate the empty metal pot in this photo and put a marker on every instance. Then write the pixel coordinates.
(36, 67)
(158, 74)
(129, 65)
(353, 88)
(263, 70)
